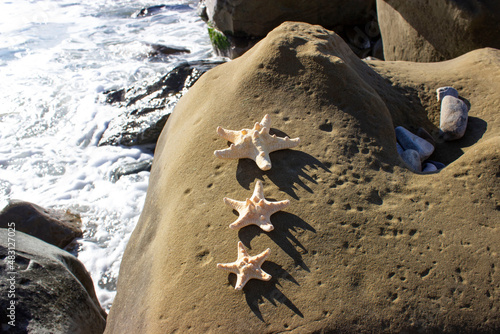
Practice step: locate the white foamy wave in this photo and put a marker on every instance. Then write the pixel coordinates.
(56, 56)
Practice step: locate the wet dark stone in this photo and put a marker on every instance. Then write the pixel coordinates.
(147, 105)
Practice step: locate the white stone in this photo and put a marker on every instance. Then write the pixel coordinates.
(453, 118)
(410, 141)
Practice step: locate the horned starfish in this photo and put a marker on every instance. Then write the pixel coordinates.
(255, 144)
(255, 210)
(247, 267)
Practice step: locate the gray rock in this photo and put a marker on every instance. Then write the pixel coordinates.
(52, 290)
(445, 91)
(422, 133)
(429, 168)
(256, 18)
(131, 168)
(453, 118)
(412, 159)
(399, 149)
(58, 228)
(408, 141)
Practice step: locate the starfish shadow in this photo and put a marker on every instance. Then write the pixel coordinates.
(291, 169)
(256, 291)
(286, 226)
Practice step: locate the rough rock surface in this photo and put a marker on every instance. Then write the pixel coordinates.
(426, 31)
(256, 18)
(58, 228)
(365, 245)
(53, 291)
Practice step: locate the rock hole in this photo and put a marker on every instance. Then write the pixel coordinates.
(327, 127)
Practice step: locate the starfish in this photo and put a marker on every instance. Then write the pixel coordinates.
(247, 267)
(255, 210)
(255, 144)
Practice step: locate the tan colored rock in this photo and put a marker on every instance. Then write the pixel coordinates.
(365, 245)
(429, 31)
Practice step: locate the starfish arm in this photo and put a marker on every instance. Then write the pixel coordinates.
(263, 160)
(258, 192)
(232, 267)
(274, 207)
(232, 152)
(261, 258)
(241, 281)
(262, 275)
(266, 121)
(237, 205)
(240, 223)
(229, 135)
(279, 143)
(242, 252)
(265, 224)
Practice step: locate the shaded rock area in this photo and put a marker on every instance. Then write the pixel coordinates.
(425, 31)
(366, 245)
(57, 227)
(147, 105)
(241, 24)
(53, 291)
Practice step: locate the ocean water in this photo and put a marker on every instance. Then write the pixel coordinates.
(56, 57)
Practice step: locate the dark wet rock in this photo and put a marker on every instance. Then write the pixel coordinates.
(159, 51)
(153, 10)
(57, 227)
(147, 105)
(52, 290)
(241, 24)
(131, 168)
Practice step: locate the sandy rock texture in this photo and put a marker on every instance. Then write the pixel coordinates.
(365, 245)
(426, 31)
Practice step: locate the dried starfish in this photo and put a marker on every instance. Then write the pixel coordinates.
(255, 144)
(255, 210)
(247, 267)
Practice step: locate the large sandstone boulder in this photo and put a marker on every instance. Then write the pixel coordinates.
(365, 245)
(57, 227)
(256, 18)
(51, 290)
(436, 30)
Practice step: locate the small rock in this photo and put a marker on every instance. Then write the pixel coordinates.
(439, 165)
(453, 118)
(422, 133)
(399, 149)
(410, 141)
(445, 91)
(58, 228)
(131, 168)
(412, 159)
(429, 168)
